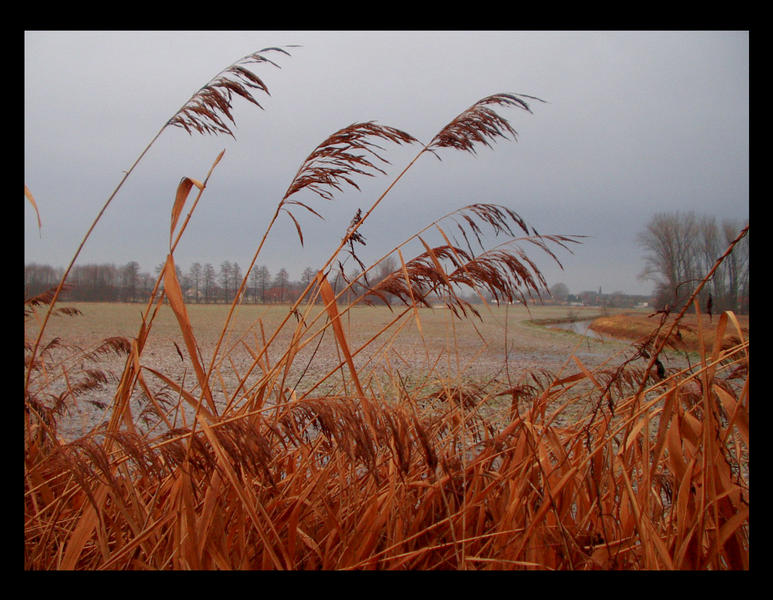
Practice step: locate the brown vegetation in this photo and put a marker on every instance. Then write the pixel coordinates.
(686, 336)
(355, 474)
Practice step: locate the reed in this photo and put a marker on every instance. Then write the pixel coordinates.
(344, 473)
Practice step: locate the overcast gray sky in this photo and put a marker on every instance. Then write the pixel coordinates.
(635, 122)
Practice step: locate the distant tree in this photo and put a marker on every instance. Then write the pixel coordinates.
(559, 292)
(39, 278)
(307, 275)
(146, 283)
(681, 248)
(281, 282)
(616, 299)
(130, 278)
(161, 266)
(94, 282)
(358, 285)
(669, 242)
(209, 282)
(385, 268)
(194, 277)
(225, 279)
(236, 279)
(252, 285)
(261, 277)
(735, 269)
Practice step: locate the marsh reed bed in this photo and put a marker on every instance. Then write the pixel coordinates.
(333, 469)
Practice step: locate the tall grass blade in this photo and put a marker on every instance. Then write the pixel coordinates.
(328, 297)
(31, 199)
(173, 292)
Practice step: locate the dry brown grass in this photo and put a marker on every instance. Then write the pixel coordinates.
(686, 335)
(351, 475)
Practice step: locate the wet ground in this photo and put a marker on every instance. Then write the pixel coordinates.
(417, 351)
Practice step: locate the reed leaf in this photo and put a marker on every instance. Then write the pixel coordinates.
(332, 309)
(31, 199)
(173, 292)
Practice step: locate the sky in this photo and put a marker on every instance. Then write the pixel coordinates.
(633, 123)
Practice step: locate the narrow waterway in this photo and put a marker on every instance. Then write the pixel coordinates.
(580, 327)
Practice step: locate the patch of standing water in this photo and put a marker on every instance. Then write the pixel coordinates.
(579, 327)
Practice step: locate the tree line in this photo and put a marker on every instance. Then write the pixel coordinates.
(681, 248)
(202, 283)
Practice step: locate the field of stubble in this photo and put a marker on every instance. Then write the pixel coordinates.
(431, 344)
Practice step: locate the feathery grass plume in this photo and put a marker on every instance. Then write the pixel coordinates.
(337, 159)
(46, 297)
(247, 448)
(92, 379)
(137, 449)
(506, 274)
(503, 270)
(118, 345)
(179, 448)
(349, 152)
(208, 108)
(479, 124)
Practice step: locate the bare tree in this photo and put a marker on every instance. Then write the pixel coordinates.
(680, 249)
(130, 275)
(306, 278)
(94, 282)
(261, 278)
(209, 282)
(225, 279)
(236, 278)
(668, 242)
(307, 275)
(146, 283)
(385, 268)
(559, 292)
(195, 275)
(736, 268)
(39, 278)
(253, 285)
(711, 246)
(280, 282)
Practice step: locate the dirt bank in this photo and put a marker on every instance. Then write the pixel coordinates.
(635, 326)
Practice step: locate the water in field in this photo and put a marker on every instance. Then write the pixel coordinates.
(580, 327)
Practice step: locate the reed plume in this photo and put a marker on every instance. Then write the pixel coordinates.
(480, 124)
(349, 152)
(207, 110)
